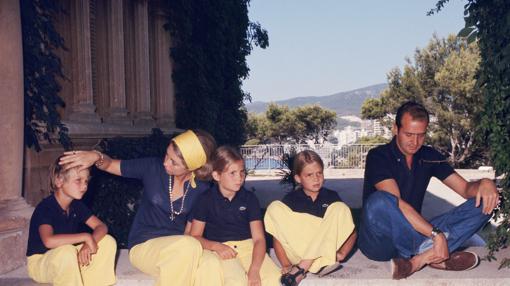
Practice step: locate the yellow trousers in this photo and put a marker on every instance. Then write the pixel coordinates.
(59, 266)
(214, 271)
(172, 260)
(304, 236)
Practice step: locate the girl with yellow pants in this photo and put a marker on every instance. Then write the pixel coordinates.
(312, 228)
(228, 223)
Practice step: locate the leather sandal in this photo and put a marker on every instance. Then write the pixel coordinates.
(289, 279)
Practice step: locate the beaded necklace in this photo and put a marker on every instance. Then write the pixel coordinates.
(170, 195)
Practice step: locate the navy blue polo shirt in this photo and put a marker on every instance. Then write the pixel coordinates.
(48, 211)
(227, 220)
(388, 162)
(299, 201)
(152, 219)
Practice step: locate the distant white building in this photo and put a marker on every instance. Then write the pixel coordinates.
(369, 128)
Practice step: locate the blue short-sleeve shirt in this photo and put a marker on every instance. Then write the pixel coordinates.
(152, 219)
(49, 212)
(300, 202)
(388, 162)
(227, 220)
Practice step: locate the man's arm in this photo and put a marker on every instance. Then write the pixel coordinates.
(483, 190)
(416, 220)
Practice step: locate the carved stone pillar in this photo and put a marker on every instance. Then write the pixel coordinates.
(11, 101)
(14, 212)
(117, 112)
(82, 106)
(162, 86)
(143, 114)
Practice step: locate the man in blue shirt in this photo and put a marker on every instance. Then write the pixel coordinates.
(396, 178)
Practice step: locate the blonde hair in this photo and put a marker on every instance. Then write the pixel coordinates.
(58, 171)
(304, 158)
(224, 156)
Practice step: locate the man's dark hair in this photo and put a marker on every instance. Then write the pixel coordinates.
(416, 110)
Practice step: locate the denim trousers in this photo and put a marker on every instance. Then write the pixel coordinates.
(385, 233)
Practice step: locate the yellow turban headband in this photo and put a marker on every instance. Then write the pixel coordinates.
(192, 151)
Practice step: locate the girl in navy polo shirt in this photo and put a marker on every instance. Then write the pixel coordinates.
(228, 223)
(57, 252)
(312, 228)
(158, 244)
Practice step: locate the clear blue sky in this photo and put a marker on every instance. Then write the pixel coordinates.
(323, 47)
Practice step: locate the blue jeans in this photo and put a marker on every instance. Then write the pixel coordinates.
(385, 233)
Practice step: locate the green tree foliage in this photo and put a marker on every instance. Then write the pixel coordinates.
(281, 124)
(211, 40)
(41, 68)
(442, 77)
(317, 122)
(491, 20)
(487, 21)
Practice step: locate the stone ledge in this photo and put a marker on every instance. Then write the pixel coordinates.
(13, 233)
(357, 271)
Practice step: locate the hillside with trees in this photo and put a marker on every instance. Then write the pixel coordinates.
(343, 103)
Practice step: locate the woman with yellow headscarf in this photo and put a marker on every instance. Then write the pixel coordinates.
(157, 241)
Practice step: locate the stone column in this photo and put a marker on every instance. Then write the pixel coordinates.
(116, 70)
(11, 101)
(162, 83)
(14, 212)
(143, 114)
(83, 108)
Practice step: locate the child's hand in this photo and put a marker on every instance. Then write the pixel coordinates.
(84, 255)
(254, 278)
(225, 251)
(91, 244)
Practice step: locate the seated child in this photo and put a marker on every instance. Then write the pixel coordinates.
(228, 223)
(312, 228)
(56, 252)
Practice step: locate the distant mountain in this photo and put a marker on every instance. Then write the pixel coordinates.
(344, 103)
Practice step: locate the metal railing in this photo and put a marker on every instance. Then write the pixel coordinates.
(271, 157)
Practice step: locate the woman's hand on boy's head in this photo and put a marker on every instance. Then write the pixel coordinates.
(81, 159)
(225, 251)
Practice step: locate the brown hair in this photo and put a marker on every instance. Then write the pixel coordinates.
(57, 171)
(416, 110)
(304, 158)
(209, 145)
(224, 156)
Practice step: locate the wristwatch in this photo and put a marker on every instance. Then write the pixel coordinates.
(435, 232)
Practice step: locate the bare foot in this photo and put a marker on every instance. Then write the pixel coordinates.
(340, 256)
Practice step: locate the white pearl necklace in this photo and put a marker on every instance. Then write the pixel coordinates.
(170, 195)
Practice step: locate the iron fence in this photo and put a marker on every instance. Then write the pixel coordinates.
(271, 157)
